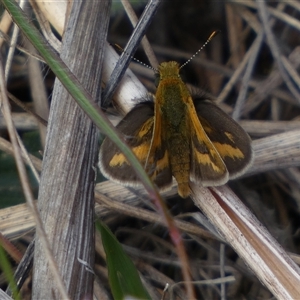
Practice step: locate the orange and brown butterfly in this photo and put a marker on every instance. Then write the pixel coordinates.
(192, 140)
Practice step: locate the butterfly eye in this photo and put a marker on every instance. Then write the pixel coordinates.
(156, 79)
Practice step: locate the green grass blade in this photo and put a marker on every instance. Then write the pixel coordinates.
(8, 273)
(123, 277)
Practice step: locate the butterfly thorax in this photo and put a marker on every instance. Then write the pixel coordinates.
(172, 95)
(172, 99)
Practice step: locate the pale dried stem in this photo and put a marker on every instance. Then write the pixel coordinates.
(267, 86)
(13, 44)
(288, 19)
(247, 76)
(45, 26)
(234, 28)
(250, 240)
(264, 14)
(5, 24)
(38, 93)
(271, 153)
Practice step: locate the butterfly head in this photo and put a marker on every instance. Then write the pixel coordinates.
(167, 70)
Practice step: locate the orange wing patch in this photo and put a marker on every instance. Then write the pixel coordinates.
(229, 151)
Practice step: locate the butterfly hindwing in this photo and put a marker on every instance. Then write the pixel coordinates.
(230, 140)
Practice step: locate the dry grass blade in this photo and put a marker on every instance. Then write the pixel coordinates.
(66, 190)
(260, 129)
(54, 14)
(237, 73)
(145, 43)
(4, 296)
(38, 92)
(275, 151)
(5, 24)
(129, 50)
(274, 47)
(246, 78)
(26, 186)
(18, 220)
(12, 46)
(129, 210)
(42, 12)
(7, 147)
(267, 86)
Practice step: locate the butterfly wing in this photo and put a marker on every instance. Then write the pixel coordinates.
(230, 140)
(137, 127)
(207, 167)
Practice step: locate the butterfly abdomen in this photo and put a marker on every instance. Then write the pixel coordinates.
(180, 162)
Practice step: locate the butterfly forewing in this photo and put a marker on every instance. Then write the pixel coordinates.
(137, 128)
(207, 167)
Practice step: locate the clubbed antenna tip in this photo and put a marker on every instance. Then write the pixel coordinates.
(214, 33)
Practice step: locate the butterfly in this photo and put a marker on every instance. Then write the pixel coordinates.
(178, 136)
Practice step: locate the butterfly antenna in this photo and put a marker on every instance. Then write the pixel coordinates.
(203, 46)
(133, 58)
